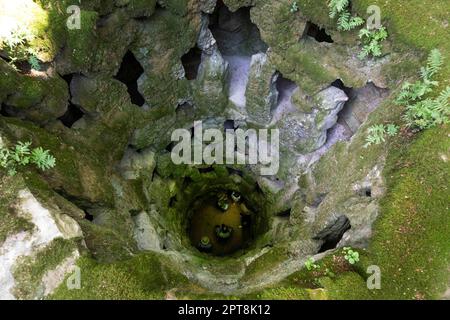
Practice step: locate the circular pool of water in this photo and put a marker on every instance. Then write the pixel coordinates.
(221, 223)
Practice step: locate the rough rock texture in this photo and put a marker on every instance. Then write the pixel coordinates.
(145, 233)
(114, 175)
(40, 99)
(307, 132)
(362, 102)
(211, 84)
(135, 164)
(261, 93)
(49, 224)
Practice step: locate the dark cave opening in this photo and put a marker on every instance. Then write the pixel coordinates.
(319, 34)
(170, 146)
(172, 201)
(365, 192)
(234, 32)
(72, 115)
(229, 125)
(88, 216)
(338, 83)
(184, 107)
(238, 39)
(129, 73)
(285, 88)
(5, 110)
(134, 212)
(333, 233)
(191, 62)
(74, 112)
(205, 170)
(285, 213)
(237, 172)
(68, 79)
(351, 93)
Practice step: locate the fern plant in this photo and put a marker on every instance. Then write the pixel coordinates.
(372, 40)
(15, 45)
(294, 7)
(34, 62)
(421, 112)
(429, 113)
(412, 92)
(347, 22)
(21, 155)
(337, 7)
(377, 134)
(341, 9)
(42, 159)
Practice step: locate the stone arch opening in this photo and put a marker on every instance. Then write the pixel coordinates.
(319, 34)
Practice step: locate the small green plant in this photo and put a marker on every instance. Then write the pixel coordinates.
(341, 9)
(34, 63)
(412, 92)
(310, 264)
(429, 112)
(329, 273)
(372, 40)
(16, 46)
(294, 7)
(351, 256)
(392, 130)
(42, 159)
(377, 133)
(426, 113)
(21, 155)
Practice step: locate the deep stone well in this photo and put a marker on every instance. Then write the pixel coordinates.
(160, 67)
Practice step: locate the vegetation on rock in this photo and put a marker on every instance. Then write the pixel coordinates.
(371, 40)
(21, 155)
(346, 21)
(400, 184)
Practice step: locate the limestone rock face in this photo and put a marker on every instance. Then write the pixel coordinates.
(145, 233)
(137, 8)
(306, 132)
(331, 102)
(261, 93)
(49, 224)
(208, 6)
(135, 164)
(155, 134)
(363, 101)
(206, 41)
(211, 83)
(41, 98)
(104, 43)
(115, 161)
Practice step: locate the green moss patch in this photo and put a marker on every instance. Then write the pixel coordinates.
(145, 276)
(29, 270)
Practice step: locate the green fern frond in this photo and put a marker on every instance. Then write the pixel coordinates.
(364, 33)
(343, 21)
(435, 62)
(42, 159)
(355, 22)
(337, 6)
(443, 101)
